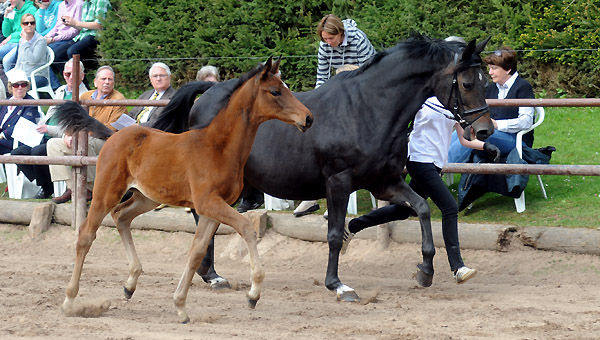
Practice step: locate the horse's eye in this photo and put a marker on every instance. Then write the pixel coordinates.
(275, 93)
(467, 86)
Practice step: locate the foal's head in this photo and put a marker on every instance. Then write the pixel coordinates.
(274, 100)
(461, 88)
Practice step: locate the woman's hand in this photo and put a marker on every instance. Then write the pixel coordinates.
(42, 128)
(68, 139)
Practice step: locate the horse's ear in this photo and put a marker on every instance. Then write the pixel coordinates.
(468, 51)
(275, 67)
(267, 69)
(481, 46)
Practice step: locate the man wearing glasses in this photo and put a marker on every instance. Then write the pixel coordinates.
(160, 78)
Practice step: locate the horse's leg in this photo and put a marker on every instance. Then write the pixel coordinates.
(337, 201)
(204, 230)
(123, 214)
(87, 235)
(402, 194)
(207, 267)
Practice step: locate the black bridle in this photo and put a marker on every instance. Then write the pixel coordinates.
(458, 109)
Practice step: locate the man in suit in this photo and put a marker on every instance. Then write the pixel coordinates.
(160, 78)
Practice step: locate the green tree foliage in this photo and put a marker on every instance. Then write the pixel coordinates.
(234, 35)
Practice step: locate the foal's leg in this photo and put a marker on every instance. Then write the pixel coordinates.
(123, 214)
(222, 212)
(204, 230)
(207, 268)
(402, 194)
(87, 235)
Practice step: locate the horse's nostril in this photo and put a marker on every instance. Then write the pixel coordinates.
(309, 121)
(483, 134)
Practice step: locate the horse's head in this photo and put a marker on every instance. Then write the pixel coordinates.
(276, 101)
(461, 88)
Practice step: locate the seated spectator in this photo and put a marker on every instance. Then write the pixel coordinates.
(46, 15)
(85, 42)
(32, 52)
(41, 173)
(9, 115)
(508, 84)
(160, 78)
(105, 83)
(208, 73)
(11, 28)
(3, 5)
(61, 35)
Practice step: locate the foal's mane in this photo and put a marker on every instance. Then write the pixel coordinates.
(417, 46)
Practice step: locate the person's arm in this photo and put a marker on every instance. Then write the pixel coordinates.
(322, 65)
(364, 48)
(526, 114)
(522, 122)
(476, 144)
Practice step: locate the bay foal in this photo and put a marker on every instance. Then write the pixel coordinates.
(200, 169)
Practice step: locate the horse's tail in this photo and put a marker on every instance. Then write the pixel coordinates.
(175, 116)
(74, 118)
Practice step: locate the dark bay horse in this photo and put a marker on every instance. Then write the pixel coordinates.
(359, 139)
(201, 169)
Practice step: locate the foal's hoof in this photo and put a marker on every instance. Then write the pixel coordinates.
(423, 279)
(128, 293)
(252, 303)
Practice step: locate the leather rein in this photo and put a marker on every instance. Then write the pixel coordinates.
(457, 108)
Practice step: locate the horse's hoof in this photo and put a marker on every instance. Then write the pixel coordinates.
(346, 294)
(219, 283)
(348, 297)
(252, 303)
(423, 279)
(128, 293)
(186, 321)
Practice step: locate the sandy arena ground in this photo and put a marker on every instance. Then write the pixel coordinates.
(519, 294)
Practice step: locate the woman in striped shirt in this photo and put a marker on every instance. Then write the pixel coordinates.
(342, 43)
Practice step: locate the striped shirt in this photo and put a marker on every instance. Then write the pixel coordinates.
(92, 10)
(356, 49)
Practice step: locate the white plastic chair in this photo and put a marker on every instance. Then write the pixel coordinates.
(538, 119)
(43, 71)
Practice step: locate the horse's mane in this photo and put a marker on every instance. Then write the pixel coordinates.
(175, 116)
(416, 46)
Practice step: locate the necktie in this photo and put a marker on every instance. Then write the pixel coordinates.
(146, 109)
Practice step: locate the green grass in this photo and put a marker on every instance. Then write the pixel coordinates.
(573, 201)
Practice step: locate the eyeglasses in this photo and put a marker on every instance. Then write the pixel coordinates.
(157, 76)
(66, 74)
(21, 85)
(28, 23)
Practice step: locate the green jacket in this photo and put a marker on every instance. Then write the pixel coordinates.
(12, 27)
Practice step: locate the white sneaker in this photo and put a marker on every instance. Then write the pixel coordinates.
(463, 274)
(305, 208)
(347, 238)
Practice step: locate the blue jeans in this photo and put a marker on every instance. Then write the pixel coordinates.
(4, 50)
(503, 140)
(60, 58)
(10, 59)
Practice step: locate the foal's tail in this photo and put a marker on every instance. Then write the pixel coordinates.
(74, 118)
(175, 116)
